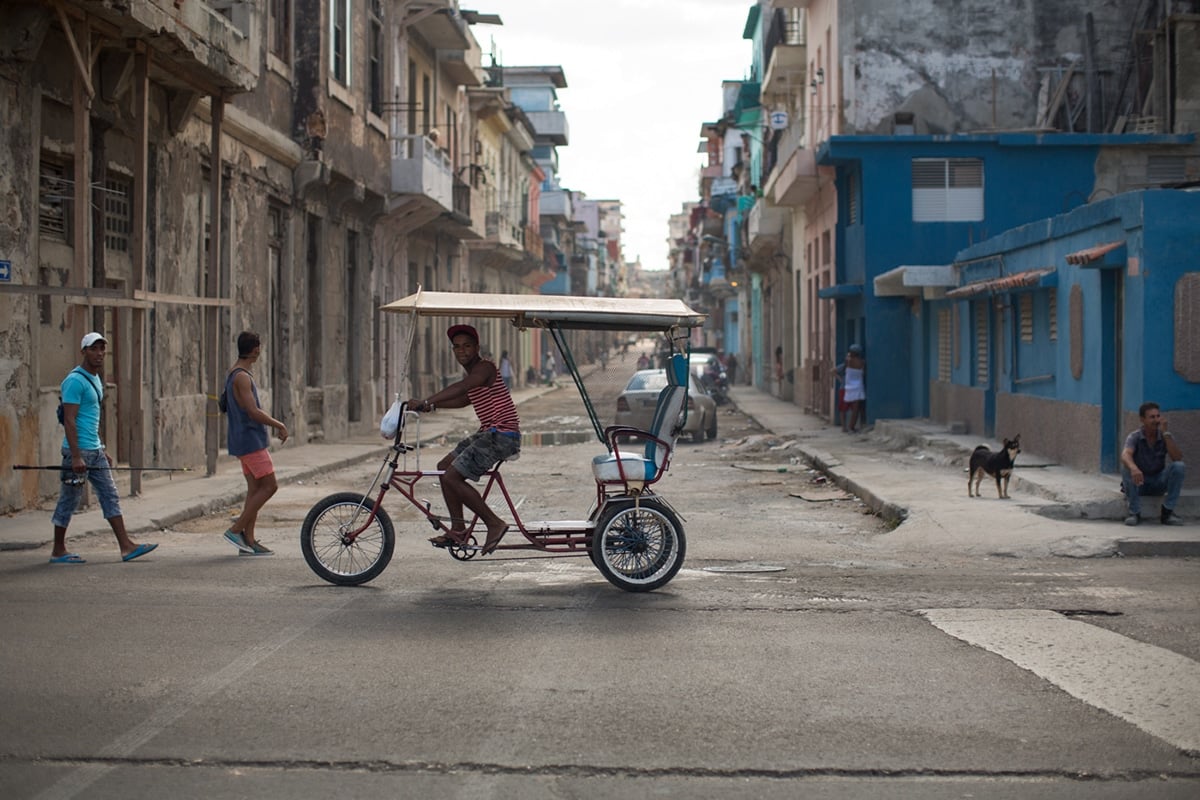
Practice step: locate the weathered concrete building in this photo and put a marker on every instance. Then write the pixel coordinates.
(188, 171)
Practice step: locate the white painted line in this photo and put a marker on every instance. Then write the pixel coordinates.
(1153, 688)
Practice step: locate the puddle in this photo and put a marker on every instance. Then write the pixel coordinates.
(550, 438)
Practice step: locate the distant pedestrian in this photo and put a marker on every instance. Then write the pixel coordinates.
(852, 399)
(248, 440)
(506, 370)
(548, 368)
(731, 367)
(643, 361)
(84, 457)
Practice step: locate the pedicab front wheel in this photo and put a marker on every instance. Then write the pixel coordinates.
(329, 550)
(638, 546)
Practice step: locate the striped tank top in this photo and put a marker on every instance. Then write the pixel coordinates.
(494, 406)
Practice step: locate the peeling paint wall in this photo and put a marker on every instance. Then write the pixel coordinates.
(967, 65)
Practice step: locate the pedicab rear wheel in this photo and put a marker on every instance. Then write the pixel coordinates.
(324, 539)
(638, 546)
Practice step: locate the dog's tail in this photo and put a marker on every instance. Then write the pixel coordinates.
(982, 447)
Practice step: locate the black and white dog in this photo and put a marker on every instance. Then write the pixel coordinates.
(998, 465)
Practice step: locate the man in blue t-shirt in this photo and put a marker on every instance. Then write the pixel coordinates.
(84, 457)
(1145, 469)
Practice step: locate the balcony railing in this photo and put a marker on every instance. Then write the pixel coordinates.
(420, 167)
(533, 243)
(550, 125)
(462, 198)
(503, 231)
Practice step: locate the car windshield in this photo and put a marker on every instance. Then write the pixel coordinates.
(646, 380)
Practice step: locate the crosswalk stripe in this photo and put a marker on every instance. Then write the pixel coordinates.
(1153, 688)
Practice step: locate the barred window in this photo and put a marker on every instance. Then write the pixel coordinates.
(947, 189)
(118, 222)
(54, 193)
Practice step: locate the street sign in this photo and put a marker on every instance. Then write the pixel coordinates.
(5, 272)
(779, 120)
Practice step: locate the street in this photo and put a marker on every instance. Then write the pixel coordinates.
(796, 653)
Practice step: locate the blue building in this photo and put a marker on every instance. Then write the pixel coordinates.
(1059, 329)
(907, 207)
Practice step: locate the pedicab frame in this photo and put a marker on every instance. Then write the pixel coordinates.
(632, 535)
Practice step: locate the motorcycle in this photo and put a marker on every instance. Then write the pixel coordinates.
(716, 381)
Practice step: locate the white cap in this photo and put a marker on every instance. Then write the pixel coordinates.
(91, 339)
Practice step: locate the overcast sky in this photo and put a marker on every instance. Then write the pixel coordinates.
(642, 75)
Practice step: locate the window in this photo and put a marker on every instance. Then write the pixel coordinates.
(54, 194)
(117, 220)
(944, 335)
(339, 30)
(1025, 304)
(947, 189)
(279, 29)
(981, 343)
(1053, 315)
(852, 200)
(375, 58)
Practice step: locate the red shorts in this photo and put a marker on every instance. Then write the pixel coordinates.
(257, 464)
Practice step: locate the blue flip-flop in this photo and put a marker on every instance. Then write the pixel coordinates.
(138, 552)
(67, 558)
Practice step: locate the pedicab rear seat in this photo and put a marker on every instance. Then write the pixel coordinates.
(637, 457)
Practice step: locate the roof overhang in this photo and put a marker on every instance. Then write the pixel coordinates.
(1103, 256)
(839, 290)
(1028, 280)
(930, 281)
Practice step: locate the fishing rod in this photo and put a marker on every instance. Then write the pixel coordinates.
(72, 478)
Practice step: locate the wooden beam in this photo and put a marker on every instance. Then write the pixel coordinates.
(80, 62)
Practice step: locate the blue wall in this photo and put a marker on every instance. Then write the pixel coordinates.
(1026, 177)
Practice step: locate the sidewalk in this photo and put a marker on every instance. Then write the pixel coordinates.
(167, 501)
(1054, 511)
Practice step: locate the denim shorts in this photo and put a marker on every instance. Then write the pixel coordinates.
(482, 450)
(99, 475)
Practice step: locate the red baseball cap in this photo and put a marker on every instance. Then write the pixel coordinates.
(455, 330)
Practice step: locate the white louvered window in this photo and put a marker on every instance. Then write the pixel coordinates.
(1053, 314)
(944, 336)
(981, 343)
(1026, 306)
(947, 189)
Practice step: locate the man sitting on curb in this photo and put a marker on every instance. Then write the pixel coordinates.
(1144, 467)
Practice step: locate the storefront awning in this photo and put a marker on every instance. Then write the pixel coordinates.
(1029, 279)
(1102, 256)
(915, 280)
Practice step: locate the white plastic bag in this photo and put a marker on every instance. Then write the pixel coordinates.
(390, 421)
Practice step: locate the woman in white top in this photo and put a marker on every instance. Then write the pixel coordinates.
(853, 374)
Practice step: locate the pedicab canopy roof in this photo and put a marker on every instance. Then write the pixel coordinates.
(547, 310)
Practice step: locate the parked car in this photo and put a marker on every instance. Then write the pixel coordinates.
(636, 404)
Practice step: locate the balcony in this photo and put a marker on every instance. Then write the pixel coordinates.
(793, 183)
(555, 203)
(533, 245)
(444, 29)
(463, 66)
(764, 227)
(420, 167)
(217, 42)
(787, 53)
(549, 126)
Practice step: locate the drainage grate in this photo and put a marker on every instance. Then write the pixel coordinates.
(1086, 612)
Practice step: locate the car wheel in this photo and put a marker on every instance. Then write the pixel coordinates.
(711, 432)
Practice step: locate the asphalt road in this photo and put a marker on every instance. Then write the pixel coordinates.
(796, 654)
